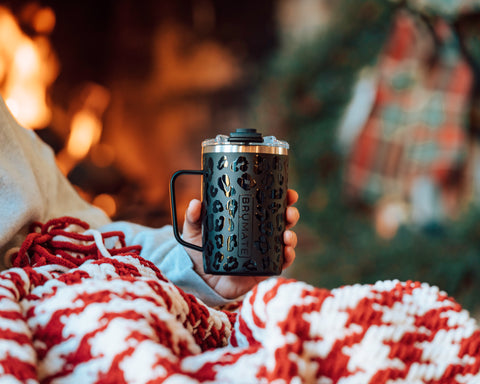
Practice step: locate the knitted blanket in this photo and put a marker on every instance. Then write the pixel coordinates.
(78, 306)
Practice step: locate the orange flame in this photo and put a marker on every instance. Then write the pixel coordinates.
(85, 131)
(27, 67)
(85, 127)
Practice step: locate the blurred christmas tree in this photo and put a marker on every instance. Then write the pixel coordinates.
(305, 94)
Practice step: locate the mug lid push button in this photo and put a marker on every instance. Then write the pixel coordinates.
(245, 135)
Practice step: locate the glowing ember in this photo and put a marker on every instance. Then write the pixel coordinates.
(44, 20)
(106, 203)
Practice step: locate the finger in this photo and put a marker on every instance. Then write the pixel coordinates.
(289, 257)
(292, 216)
(290, 239)
(292, 197)
(193, 213)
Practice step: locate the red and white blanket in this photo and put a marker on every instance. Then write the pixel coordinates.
(72, 311)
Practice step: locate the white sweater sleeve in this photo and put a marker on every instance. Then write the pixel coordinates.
(32, 188)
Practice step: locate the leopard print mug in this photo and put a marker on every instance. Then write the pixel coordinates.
(244, 199)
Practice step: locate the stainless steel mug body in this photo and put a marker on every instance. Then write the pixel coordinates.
(244, 200)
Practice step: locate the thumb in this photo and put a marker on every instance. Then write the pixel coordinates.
(192, 225)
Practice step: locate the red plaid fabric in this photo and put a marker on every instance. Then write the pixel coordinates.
(417, 125)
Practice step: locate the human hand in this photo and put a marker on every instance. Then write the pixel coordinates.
(233, 286)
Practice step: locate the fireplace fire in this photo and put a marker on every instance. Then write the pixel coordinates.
(125, 92)
(28, 66)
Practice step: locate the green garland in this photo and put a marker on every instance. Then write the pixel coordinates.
(305, 94)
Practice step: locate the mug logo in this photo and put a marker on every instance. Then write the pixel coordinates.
(245, 225)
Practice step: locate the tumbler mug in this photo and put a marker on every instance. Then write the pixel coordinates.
(244, 199)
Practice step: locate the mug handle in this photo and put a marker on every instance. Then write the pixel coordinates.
(174, 208)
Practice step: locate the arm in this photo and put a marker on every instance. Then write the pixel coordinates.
(185, 267)
(32, 188)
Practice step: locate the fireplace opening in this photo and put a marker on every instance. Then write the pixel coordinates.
(125, 91)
